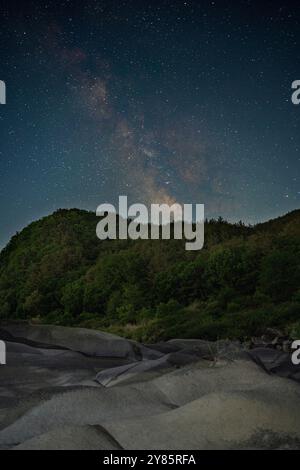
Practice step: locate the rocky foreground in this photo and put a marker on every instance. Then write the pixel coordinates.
(67, 388)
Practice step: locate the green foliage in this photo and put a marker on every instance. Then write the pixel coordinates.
(280, 273)
(294, 330)
(244, 280)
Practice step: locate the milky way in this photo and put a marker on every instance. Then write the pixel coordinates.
(162, 101)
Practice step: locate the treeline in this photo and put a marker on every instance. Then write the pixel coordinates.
(244, 280)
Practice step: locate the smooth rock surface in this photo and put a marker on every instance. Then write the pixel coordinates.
(65, 388)
(72, 438)
(216, 421)
(93, 343)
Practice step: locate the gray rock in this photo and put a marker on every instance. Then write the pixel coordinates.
(144, 370)
(84, 406)
(93, 343)
(276, 362)
(219, 420)
(187, 394)
(72, 438)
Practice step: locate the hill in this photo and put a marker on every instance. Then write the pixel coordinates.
(245, 279)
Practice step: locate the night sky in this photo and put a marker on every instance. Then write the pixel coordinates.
(186, 101)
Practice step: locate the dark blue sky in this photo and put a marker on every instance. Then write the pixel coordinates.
(186, 101)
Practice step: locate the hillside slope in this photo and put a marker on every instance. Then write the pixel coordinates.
(244, 280)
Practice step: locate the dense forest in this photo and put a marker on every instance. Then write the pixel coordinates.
(244, 280)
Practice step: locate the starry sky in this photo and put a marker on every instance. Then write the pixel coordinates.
(163, 101)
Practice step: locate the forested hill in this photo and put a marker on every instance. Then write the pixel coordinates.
(244, 280)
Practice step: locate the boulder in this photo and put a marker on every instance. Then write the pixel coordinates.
(219, 420)
(72, 438)
(276, 362)
(90, 342)
(65, 388)
(79, 407)
(144, 370)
